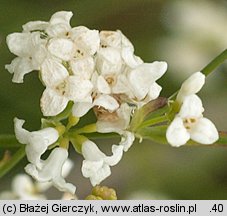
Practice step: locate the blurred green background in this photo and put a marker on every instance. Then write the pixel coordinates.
(188, 35)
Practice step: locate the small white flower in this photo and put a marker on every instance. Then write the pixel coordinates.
(31, 52)
(142, 79)
(120, 42)
(85, 40)
(43, 186)
(59, 24)
(51, 170)
(36, 142)
(190, 123)
(61, 88)
(96, 165)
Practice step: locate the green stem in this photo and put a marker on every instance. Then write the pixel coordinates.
(215, 63)
(154, 121)
(18, 156)
(91, 128)
(8, 141)
(209, 68)
(102, 135)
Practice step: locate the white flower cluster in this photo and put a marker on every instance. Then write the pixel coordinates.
(99, 71)
(94, 70)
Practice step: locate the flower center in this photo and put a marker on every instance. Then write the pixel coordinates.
(61, 88)
(78, 53)
(189, 122)
(111, 80)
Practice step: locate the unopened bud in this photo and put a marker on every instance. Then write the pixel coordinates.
(104, 192)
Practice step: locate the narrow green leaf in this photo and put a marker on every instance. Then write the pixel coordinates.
(16, 158)
(144, 111)
(156, 134)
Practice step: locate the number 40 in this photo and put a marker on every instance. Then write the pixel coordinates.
(217, 208)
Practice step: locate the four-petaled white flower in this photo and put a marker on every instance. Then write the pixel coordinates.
(61, 88)
(189, 122)
(31, 52)
(36, 142)
(96, 165)
(51, 170)
(143, 78)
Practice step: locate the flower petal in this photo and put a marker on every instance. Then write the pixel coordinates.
(96, 171)
(51, 103)
(127, 139)
(83, 68)
(52, 170)
(192, 107)
(37, 141)
(176, 133)
(121, 86)
(192, 85)
(110, 38)
(117, 151)
(19, 67)
(35, 25)
(61, 185)
(130, 59)
(61, 48)
(61, 17)
(108, 61)
(86, 40)
(154, 91)
(125, 41)
(78, 90)
(20, 44)
(103, 86)
(53, 72)
(142, 77)
(91, 151)
(81, 108)
(204, 132)
(22, 135)
(118, 125)
(106, 102)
